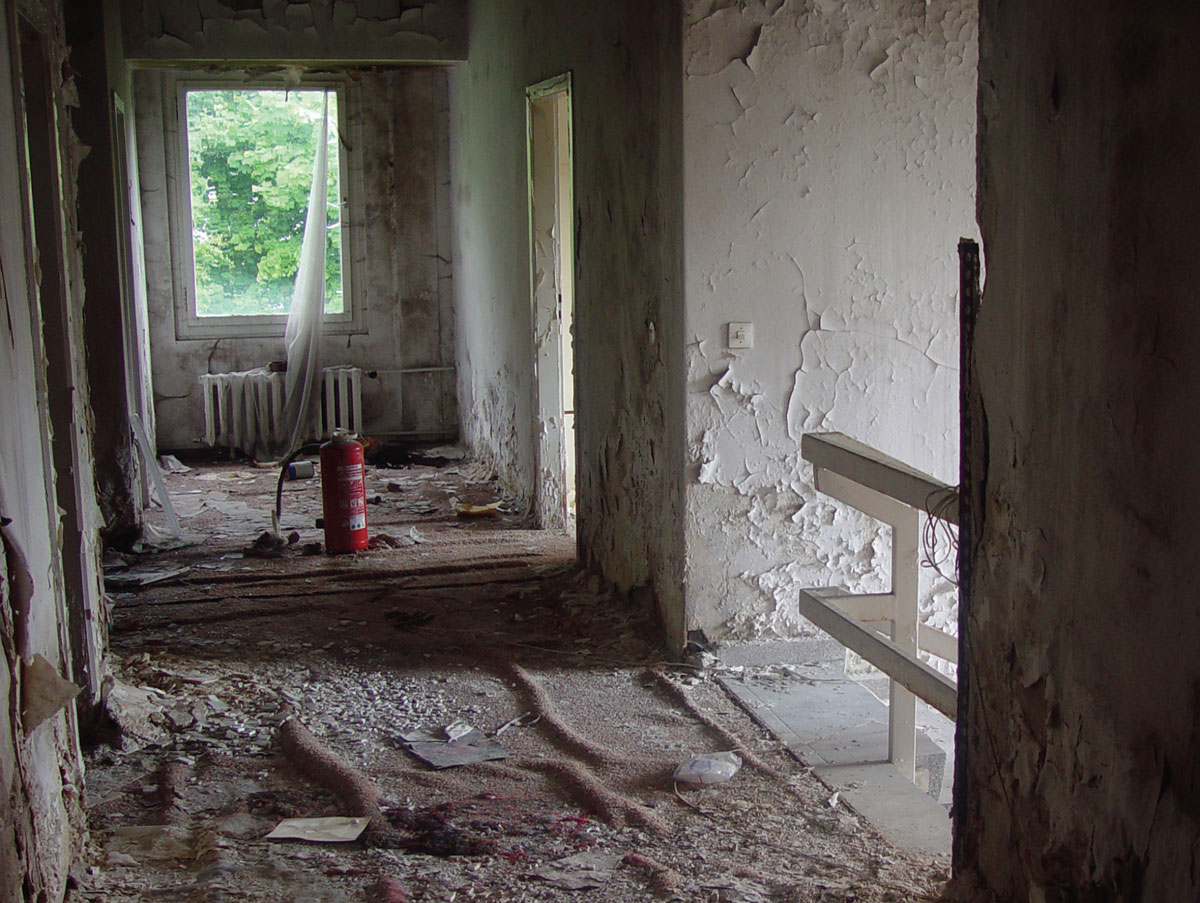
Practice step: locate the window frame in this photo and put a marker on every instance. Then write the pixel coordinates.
(188, 323)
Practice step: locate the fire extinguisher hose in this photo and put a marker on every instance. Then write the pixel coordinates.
(302, 450)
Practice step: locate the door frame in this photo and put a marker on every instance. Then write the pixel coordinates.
(553, 361)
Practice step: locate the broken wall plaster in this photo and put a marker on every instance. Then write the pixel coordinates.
(401, 118)
(824, 206)
(41, 819)
(113, 267)
(350, 30)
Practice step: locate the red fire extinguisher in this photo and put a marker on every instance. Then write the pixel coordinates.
(343, 494)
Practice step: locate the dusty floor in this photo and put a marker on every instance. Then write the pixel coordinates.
(484, 622)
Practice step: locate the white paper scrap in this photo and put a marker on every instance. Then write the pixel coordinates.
(334, 829)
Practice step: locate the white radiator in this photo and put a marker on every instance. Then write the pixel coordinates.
(243, 410)
(341, 407)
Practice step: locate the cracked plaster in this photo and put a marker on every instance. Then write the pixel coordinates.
(829, 173)
(359, 30)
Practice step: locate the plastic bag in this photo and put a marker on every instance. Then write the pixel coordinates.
(709, 768)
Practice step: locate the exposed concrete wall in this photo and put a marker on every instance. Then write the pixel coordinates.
(624, 57)
(399, 122)
(359, 30)
(41, 824)
(829, 172)
(1083, 741)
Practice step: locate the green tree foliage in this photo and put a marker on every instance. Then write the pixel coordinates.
(251, 159)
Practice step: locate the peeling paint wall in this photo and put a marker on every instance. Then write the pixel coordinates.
(400, 119)
(1082, 739)
(115, 300)
(829, 173)
(41, 820)
(352, 30)
(624, 59)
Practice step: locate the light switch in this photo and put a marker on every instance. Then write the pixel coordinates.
(741, 335)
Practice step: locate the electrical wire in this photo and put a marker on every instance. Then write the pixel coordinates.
(939, 538)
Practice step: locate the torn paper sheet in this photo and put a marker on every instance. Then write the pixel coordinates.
(333, 829)
(143, 575)
(435, 748)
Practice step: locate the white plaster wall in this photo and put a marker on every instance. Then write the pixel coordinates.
(624, 59)
(401, 118)
(829, 173)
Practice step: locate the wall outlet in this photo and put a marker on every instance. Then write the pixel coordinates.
(741, 335)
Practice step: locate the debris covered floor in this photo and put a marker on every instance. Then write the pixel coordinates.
(251, 689)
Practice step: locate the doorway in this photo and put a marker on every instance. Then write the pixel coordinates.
(552, 262)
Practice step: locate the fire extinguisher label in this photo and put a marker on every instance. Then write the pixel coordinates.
(356, 522)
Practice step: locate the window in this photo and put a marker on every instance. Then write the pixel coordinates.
(244, 171)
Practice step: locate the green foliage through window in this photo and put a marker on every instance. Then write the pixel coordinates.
(251, 162)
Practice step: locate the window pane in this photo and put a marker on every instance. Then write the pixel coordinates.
(250, 162)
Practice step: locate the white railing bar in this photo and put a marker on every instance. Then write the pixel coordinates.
(867, 607)
(929, 639)
(916, 676)
(864, 465)
(938, 642)
(870, 501)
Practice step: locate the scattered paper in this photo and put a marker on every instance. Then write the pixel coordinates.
(171, 464)
(437, 748)
(333, 829)
(457, 730)
(188, 505)
(525, 720)
(154, 539)
(583, 871)
(228, 477)
(462, 509)
(231, 508)
(143, 575)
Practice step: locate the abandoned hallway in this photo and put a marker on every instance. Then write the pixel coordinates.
(473, 623)
(801, 384)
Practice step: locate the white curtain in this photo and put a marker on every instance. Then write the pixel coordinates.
(304, 327)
